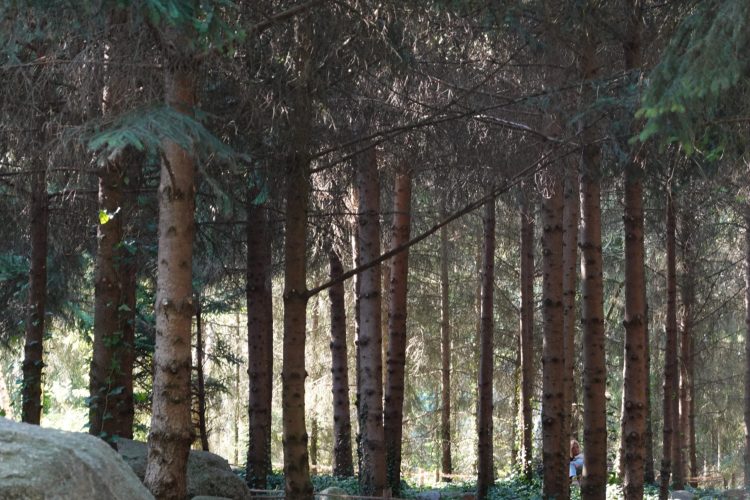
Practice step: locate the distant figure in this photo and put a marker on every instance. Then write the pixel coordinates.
(576, 459)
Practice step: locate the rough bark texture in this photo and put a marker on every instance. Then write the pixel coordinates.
(446, 460)
(296, 466)
(485, 465)
(571, 213)
(670, 466)
(171, 423)
(649, 474)
(200, 393)
(372, 474)
(259, 343)
(31, 409)
(527, 332)
(394, 390)
(554, 442)
(111, 372)
(342, 425)
(635, 370)
(595, 369)
(747, 347)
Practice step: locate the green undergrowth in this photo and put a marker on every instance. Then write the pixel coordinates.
(514, 487)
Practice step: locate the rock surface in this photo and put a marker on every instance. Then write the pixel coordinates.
(208, 473)
(331, 493)
(38, 463)
(682, 495)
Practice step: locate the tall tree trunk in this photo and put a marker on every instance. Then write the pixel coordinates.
(296, 466)
(635, 372)
(527, 331)
(687, 294)
(485, 464)
(372, 474)
(259, 342)
(649, 475)
(200, 375)
(171, 423)
(31, 409)
(446, 460)
(394, 390)
(571, 214)
(110, 380)
(595, 368)
(342, 426)
(671, 463)
(554, 442)
(747, 347)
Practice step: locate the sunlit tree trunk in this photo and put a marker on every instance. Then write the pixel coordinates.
(171, 423)
(342, 426)
(554, 437)
(485, 463)
(635, 371)
(687, 296)
(446, 460)
(372, 474)
(259, 341)
(671, 463)
(200, 375)
(595, 369)
(31, 394)
(394, 391)
(527, 331)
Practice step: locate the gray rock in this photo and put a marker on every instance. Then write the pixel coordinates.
(38, 463)
(332, 493)
(682, 495)
(429, 495)
(208, 473)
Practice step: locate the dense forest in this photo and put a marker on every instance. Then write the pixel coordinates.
(387, 244)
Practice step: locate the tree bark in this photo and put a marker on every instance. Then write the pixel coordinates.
(446, 460)
(342, 426)
(571, 214)
(595, 369)
(200, 375)
(649, 475)
(554, 442)
(687, 295)
(394, 391)
(747, 347)
(259, 342)
(372, 474)
(527, 332)
(296, 466)
(33, 363)
(670, 460)
(171, 423)
(485, 463)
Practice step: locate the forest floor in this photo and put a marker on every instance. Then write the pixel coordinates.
(511, 488)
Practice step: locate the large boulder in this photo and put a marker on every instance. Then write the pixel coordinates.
(208, 473)
(38, 463)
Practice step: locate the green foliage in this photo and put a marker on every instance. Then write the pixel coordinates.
(703, 63)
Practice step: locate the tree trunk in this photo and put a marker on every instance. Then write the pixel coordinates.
(635, 372)
(687, 294)
(554, 442)
(171, 423)
(342, 426)
(31, 409)
(372, 474)
(747, 348)
(485, 464)
(394, 391)
(595, 369)
(200, 376)
(446, 461)
(296, 466)
(571, 214)
(527, 332)
(314, 444)
(649, 475)
(259, 342)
